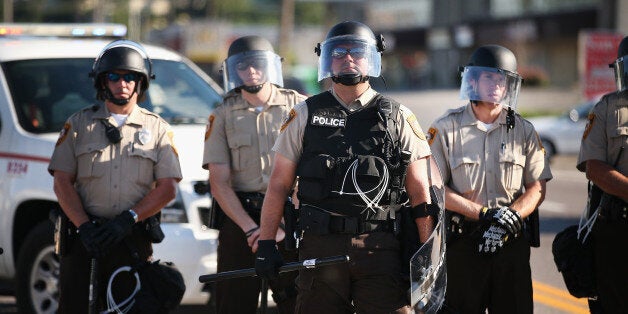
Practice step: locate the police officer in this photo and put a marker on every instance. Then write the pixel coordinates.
(494, 169)
(238, 154)
(603, 158)
(114, 166)
(350, 147)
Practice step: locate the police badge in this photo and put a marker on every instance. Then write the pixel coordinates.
(144, 136)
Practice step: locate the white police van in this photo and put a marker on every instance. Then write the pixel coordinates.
(44, 79)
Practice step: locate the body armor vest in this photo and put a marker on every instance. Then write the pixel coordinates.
(351, 161)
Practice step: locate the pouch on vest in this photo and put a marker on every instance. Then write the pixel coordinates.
(316, 177)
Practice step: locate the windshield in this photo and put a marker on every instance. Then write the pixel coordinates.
(46, 92)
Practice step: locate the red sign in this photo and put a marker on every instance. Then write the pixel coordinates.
(598, 50)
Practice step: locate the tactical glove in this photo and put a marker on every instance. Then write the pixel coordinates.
(268, 259)
(505, 216)
(87, 233)
(114, 230)
(493, 239)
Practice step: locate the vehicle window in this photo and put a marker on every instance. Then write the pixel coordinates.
(179, 95)
(46, 92)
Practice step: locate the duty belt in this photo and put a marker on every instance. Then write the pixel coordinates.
(320, 222)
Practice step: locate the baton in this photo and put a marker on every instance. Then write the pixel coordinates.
(250, 272)
(93, 286)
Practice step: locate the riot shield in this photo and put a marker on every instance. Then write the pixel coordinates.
(428, 275)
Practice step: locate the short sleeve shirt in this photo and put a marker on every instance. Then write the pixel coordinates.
(242, 136)
(606, 132)
(488, 166)
(111, 178)
(290, 142)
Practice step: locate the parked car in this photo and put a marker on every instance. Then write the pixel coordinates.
(44, 79)
(562, 134)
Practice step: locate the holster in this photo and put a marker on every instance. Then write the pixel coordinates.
(290, 215)
(455, 226)
(216, 216)
(531, 229)
(613, 208)
(152, 226)
(64, 232)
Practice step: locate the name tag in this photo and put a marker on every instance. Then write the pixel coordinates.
(328, 121)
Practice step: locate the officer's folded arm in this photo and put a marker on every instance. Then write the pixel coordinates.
(222, 191)
(607, 178)
(533, 196)
(165, 191)
(68, 198)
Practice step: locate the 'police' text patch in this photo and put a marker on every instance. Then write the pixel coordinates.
(328, 121)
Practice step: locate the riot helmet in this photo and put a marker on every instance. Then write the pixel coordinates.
(491, 76)
(619, 66)
(251, 62)
(122, 55)
(357, 41)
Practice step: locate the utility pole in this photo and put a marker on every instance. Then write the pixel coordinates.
(286, 27)
(8, 11)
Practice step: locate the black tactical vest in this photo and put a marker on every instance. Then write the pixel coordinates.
(345, 153)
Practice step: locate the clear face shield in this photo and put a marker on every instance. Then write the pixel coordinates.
(490, 85)
(252, 68)
(621, 73)
(349, 55)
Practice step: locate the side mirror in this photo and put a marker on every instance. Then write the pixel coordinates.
(573, 115)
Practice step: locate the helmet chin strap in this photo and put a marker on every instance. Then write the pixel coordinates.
(253, 89)
(116, 101)
(349, 79)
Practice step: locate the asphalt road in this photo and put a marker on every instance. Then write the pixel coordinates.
(566, 197)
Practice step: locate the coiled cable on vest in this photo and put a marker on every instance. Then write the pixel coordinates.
(126, 305)
(381, 186)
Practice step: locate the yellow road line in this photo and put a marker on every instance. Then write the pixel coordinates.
(558, 298)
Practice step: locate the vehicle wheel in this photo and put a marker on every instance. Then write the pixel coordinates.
(550, 151)
(38, 272)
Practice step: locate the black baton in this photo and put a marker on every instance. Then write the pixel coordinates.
(250, 272)
(93, 286)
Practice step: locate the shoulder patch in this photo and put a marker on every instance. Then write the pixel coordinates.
(171, 138)
(416, 128)
(209, 126)
(587, 129)
(63, 134)
(431, 135)
(291, 115)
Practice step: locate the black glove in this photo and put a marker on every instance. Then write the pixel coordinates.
(505, 216)
(114, 231)
(493, 239)
(268, 259)
(87, 233)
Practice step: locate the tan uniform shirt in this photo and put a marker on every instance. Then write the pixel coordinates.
(606, 133)
(243, 136)
(111, 178)
(489, 167)
(290, 141)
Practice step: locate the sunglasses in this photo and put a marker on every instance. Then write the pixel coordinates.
(127, 77)
(259, 64)
(356, 52)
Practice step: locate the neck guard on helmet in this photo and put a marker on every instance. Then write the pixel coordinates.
(349, 79)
